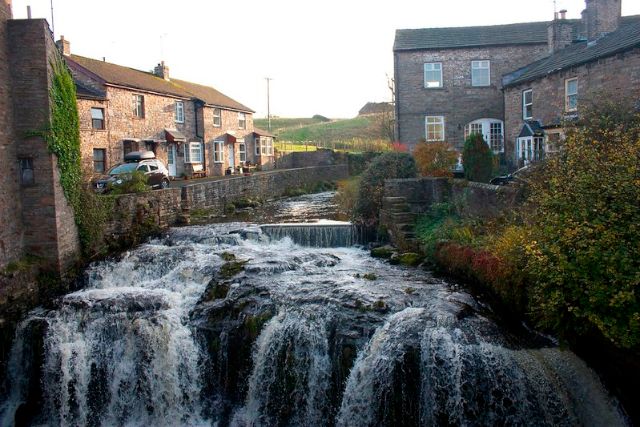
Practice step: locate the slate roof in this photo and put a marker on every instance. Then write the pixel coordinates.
(459, 37)
(625, 38)
(146, 81)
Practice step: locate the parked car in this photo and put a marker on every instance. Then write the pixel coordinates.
(145, 162)
(518, 175)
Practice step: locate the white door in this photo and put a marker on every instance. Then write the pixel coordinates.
(171, 160)
(232, 159)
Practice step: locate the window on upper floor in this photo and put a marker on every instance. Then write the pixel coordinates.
(218, 151)
(433, 75)
(138, 106)
(434, 128)
(179, 112)
(99, 160)
(97, 118)
(480, 73)
(527, 104)
(571, 94)
(242, 121)
(217, 117)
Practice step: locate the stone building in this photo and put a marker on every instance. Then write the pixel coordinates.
(604, 64)
(35, 218)
(193, 129)
(454, 81)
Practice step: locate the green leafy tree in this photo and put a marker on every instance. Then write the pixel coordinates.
(371, 189)
(477, 159)
(584, 253)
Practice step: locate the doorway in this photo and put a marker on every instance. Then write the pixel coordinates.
(171, 160)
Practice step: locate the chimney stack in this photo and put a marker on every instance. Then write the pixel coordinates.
(601, 17)
(162, 71)
(64, 46)
(559, 33)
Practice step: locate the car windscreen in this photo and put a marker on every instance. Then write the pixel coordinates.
(125, 168)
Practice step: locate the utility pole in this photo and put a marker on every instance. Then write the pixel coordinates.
(268, 79)
(53, 27)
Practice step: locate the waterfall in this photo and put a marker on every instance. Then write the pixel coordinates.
(290, 380)
(320, 235)
(246, 325)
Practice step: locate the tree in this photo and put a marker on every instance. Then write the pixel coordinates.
(477, 159)
(435, 158)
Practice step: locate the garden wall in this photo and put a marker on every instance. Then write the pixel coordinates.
(305, 159)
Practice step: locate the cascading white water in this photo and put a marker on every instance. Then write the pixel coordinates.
(320, 235)
(295, 336)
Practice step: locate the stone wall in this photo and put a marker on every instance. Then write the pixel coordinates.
(418, 195)
(47, 218)
(10, 206)
(458, 101)
(305, 159)
(215, 195)
(610, 78)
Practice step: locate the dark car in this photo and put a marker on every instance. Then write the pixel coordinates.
(518, 175)
(156, 172)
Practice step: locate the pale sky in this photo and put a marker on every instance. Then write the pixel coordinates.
(325, 57)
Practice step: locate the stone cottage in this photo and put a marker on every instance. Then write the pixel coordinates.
(193, 129)
(603, 64)
(451, 82)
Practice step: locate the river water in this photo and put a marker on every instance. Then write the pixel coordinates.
(237, 324)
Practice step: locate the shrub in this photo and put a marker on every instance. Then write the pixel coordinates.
(371, 189)
(584, 252)
(477, 159)
(137, 183)
(435, 158)
(347, 195)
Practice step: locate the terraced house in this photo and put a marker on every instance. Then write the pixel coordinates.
(194, 129)
(511, 82)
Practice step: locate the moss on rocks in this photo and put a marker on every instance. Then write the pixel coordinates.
(410, 258)
(384, 252)
(231, 268)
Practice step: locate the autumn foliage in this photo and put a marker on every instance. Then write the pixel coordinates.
(435, 158)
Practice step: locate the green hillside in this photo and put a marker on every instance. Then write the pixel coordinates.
(317, 130)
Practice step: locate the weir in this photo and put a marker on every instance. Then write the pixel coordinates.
(332, 234)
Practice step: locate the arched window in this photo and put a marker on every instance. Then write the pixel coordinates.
(492, 130)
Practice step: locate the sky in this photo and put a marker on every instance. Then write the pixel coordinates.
(326, 58)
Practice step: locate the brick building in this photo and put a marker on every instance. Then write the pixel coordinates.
(454, 81)
(35, 217)
(191, 128)
(605, 64)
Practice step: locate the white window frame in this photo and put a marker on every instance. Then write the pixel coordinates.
(217, 116)
(568, 96)
(527, 106)
(433, 67)
(258, 145)
(193, 152)
(479, 65)
(433, 122)
(179, 112)
(266, 146)
(530, 149)
(218, 151)
(242, 151)
(138, 107)
(486, 127)
(242, 120)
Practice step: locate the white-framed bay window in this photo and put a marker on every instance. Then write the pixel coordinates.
(193, 152)
(434, 128)
(492, 130)
(530, 149)
(264, 146)
(433, 75)
(218, 151)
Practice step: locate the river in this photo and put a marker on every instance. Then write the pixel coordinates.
(288, 325)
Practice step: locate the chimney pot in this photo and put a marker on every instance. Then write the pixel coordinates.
(563, 14)
(162, 71)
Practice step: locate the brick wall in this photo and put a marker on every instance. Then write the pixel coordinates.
(47, 218)
(10, 206)
(610, 78)
(458, 101)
